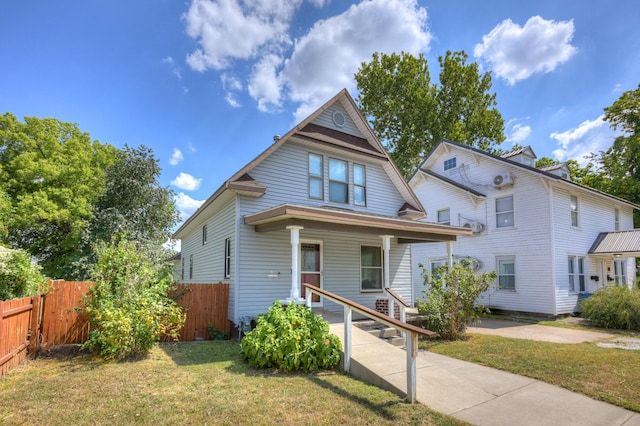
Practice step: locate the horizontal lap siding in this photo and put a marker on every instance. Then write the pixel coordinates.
(529, 241)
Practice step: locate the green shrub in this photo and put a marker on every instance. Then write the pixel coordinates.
(19, 276)
(450, 299)
(128, 308)
(291, 337)
(613, 307)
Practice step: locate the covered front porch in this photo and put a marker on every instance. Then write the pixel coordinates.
(613, 257)
(359, 256)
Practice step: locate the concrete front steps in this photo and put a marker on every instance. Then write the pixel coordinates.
(390, 334)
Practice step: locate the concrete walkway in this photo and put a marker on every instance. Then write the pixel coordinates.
(479, 395)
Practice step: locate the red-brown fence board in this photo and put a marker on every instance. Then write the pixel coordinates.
(15, 318)
(63, 320)
(203, 304)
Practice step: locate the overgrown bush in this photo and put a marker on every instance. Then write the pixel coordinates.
(19, 276)
(613, 307)
(129, 308)
(291, 337)
(450, 299)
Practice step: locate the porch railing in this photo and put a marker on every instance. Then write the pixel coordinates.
(412, 332)
(395, 297)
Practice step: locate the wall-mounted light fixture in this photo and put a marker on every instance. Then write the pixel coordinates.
(617, 255)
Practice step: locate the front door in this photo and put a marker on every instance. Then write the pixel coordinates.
(311, 268)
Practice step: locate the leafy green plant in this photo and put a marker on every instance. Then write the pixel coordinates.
(129, 308)
(613, 307)
(19, 276)
(450, 298)
(291, 337)
(216, 334)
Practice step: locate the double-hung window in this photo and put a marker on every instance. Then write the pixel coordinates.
(574, 211)
(506, 273)
(576, 274)
(616, 219)
(359, 185)
(316, 177)
(504, 212)
(182, 271)
(370, 268)
(620, 271)
(204, 234)
(444, 217)
(338, 181)
(190, 266)
(227, 257)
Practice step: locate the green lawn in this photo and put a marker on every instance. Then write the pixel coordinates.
(611, 375)
(194, 383)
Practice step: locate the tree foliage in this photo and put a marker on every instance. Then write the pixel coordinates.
(19, 276)
(52, 173)
(411, 114)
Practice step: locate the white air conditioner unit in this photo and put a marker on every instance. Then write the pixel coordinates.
(476, 227)
(502, 180)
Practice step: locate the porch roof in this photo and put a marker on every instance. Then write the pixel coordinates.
(342, 220)
(625, 243)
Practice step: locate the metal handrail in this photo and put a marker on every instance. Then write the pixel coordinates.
(411, 331)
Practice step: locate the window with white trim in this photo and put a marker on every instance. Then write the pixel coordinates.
(316, 177)
(504, 212)
(190, 266)
(616, 219)
(444, 217)
(359, 185)
(227, 257)
(450, 163)
(573, 202)
(204, 234)
(506, 273)
(338, 181)
(182, 271)
(577, 282)
(370, 268)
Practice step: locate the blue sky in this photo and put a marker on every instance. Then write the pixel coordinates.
(207, 83)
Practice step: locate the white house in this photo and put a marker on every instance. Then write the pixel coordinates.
(323, 205)
(550, 239)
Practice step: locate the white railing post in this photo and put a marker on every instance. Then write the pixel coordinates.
(309, 294)
(412, 352)
(403, 318)
(347, 339)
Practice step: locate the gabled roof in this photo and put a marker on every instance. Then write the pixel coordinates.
(458, 185)
(447, 144)
(625, 243)
(242, 183)
(524, 150)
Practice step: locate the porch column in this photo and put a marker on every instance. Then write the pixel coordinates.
(386, 245)
(295, 270)
(449, 255)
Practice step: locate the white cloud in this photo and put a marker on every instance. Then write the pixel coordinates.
(177, 157)
(325, 59)
(231, 84)
(174, 68)
(187, 205)
(518, 133)
(231, 29)
(590, 136)
(515, 53)
(186, 181)
(314, 67)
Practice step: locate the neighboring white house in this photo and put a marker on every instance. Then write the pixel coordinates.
(550, 239)
(324, 205)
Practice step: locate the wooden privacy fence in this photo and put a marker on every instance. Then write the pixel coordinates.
(16, 323)
(203, 304)
(63, 320)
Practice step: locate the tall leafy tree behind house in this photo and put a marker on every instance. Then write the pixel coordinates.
(411, 114)
(133, 204)
(52, 173)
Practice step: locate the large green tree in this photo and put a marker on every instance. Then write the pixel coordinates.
(411, 114)
(52, 173)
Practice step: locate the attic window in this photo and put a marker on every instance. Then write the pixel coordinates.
(339, 119)
(450, 163)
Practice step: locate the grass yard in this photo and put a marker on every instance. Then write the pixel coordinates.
(611, 375)
(194, 383)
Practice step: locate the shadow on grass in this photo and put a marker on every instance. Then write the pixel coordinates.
(198, 353)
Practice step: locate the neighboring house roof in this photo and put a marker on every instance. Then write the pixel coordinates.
(454, 183)
(242, 183)
(522, 150)
(626, 243)
(335, 219)
(444, 142)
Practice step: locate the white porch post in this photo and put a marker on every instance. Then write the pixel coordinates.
(386, 246)
(450, 255)
(295, 270)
